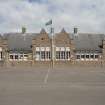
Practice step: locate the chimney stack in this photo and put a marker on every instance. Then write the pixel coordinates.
(75, 31)
(23, 30)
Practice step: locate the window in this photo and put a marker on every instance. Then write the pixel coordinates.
(62, 54)
(1, 55)
(37, 52)
(87, 56)
(16, 56)
(83, 56)
(11, 56)
(25, 56)
(67, 54)
(37, 57)
(57, 54)
(48, 55)
(78, 56)
(96, 56)
(42, 54)
(92, 56)
(21, 56)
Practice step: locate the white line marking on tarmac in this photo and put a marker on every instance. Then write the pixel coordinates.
(47, 75)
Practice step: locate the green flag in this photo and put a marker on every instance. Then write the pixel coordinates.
(49, 22)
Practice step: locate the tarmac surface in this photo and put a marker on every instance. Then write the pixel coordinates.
(58, 86)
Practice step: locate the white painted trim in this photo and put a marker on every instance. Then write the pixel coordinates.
(37, 49)
(57, 48)
(62, 48)
(67, 48)
(48, 49)
(0, 49)
(42, 48)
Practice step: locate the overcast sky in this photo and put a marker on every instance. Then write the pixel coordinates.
(87, 15)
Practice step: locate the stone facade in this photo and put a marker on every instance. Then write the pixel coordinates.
(39, 51)
(3, 52)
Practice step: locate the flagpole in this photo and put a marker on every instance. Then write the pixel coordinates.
(52, 47)
(52, 43)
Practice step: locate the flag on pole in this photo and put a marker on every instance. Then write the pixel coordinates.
(49, 22)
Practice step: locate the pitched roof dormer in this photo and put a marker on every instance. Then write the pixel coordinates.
(63, 31)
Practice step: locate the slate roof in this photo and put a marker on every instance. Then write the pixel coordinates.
(18, 42)
(83, 42)
(88, 42)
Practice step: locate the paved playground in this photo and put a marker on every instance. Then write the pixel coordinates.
(58, 86)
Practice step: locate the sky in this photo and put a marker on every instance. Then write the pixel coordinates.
(86, 15)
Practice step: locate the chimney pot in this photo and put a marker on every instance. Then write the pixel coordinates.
(23, 30)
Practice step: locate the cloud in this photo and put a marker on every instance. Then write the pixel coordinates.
(87, 15)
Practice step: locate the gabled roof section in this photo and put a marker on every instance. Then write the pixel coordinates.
(62, 34)
(43, 31)
(63, 31)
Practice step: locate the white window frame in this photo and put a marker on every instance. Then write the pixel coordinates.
(46, 51)
(1, 54)
(81, 56)
(19, 57)
(96, 59)
(87, 59)
(61, 53)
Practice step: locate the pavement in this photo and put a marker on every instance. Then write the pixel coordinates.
(58, 86)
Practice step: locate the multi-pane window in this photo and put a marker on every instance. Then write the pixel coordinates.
(38, 52)
(82, 56)
(92, 56)
(88, 56)
(62, 53)
(21, 56)
(45, 55)
(48, 55)
(18, 57)
(1, 54)
(78, 56)
(96, 56)
(42, 54)
(57, 54)
(37, 55)
(67, 54)
(11, 56)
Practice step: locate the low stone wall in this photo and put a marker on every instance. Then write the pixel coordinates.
(89, 63)
(71, 63)
(56, 63)
(19, 63)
